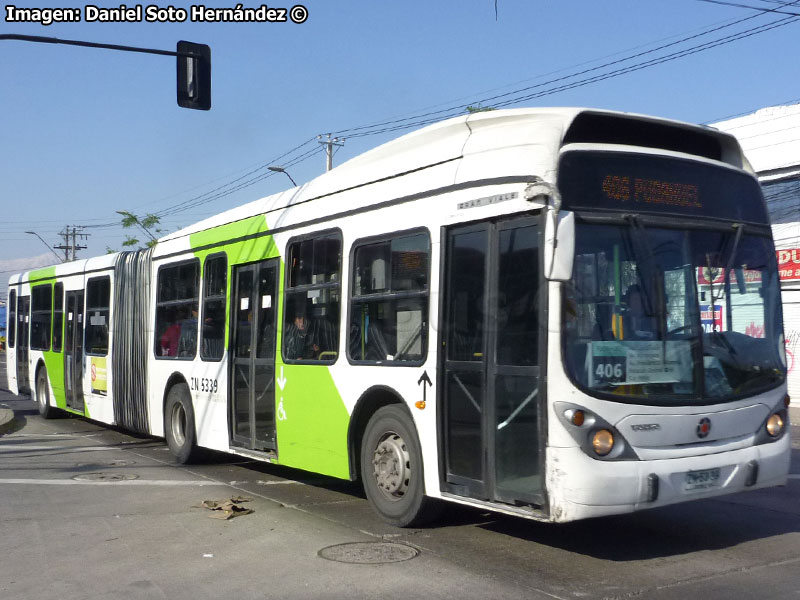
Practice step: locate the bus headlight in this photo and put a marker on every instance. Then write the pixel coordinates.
(597, 438)
(602, 442)
(775, 425)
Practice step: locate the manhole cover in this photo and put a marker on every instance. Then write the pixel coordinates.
(369, 553)
(100, 465)
(105, 477)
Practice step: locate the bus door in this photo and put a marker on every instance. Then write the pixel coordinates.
(73, 351)
(492, 429)
(252, 393)
(23, 343)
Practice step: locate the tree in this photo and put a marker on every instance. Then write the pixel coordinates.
(478, 108)
(148, 224)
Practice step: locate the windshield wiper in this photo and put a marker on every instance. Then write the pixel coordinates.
(652, 272)
(739, 228)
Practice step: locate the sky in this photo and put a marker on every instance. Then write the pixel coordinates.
(85, 133)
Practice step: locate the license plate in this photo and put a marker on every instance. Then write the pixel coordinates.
(701, 480)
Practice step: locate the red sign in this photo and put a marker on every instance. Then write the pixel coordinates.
(715, 275)
(789, 264)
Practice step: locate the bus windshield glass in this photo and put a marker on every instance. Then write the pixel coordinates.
(662, 315)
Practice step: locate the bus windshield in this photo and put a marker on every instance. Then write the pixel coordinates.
(656, 314)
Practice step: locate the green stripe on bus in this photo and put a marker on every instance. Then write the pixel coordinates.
(313, 434)
(53, 361)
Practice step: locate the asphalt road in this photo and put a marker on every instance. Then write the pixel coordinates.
(87, 511)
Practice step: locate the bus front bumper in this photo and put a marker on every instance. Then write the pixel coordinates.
(581, 487)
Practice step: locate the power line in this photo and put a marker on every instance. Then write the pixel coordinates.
(191, 201)
(660, 60)
(199, 201)
(616, 73)
(775, 10)
(514, 95)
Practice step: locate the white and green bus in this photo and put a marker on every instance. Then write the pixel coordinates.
(550, 313)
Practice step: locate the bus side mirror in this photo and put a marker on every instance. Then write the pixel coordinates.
(559, 245)
(194, 76)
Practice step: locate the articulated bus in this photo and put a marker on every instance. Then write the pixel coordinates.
(550, 313)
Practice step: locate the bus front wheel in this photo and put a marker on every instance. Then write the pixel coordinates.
(179, 424)
(391, 469)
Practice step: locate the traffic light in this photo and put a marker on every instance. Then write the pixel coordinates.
(194, 75)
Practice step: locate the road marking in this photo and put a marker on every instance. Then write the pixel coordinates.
(283, 482)
(157, 482)
(32, 448)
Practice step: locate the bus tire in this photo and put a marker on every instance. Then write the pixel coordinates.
(43, 395)
(391, 469)
(179, 424)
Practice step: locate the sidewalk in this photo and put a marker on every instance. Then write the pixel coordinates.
(6, 419)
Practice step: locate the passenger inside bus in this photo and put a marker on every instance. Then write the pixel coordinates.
(639, 321)
(187, 341)
(171, 337)
(306, 338)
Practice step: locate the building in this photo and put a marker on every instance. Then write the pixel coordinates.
(770, 138)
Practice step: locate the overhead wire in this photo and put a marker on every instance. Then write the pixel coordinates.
(424, 118)
(191, 201)
(515, 96)
(604, 76)
(226, 192)
(748, 6)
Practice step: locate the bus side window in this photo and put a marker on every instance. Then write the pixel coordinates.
(177, 306)
(58, 316)
(98, 299)
(12, 318)
(389, 303)
(41, 306)
(215, 278)
(312, 298)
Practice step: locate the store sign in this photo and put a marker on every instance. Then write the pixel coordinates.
(789, 264)
(716, 275)
(711, 321)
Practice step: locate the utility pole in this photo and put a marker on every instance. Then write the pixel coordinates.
(70, 245)
(330, 143)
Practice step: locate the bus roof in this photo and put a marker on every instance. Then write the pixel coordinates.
(485, 144)
(493, 134)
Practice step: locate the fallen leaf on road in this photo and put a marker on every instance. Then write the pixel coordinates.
(227, 509)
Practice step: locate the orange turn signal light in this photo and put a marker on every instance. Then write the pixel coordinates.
(578, 418)
(420, 404)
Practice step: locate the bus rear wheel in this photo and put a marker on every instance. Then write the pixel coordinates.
(391, 469)
(179, 424)
(43, 395)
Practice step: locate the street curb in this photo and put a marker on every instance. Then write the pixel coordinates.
(6, 420)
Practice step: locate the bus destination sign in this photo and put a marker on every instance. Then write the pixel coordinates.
(651, 191)
(651, 184)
